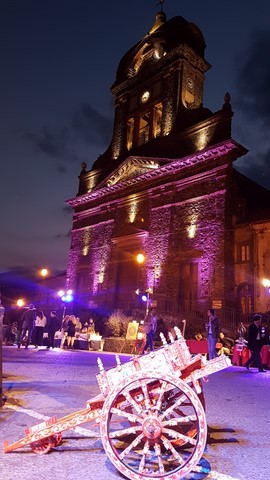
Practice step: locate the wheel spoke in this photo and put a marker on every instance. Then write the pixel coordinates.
(180, 436)
(135, 442)
(125, 431)
(169, 446)
(130, 416)
(137, 406)
(160, 461)
(169, 410)
(146, 395)
(161, 395)
(181, 420)
(42, 446)
(145, 452)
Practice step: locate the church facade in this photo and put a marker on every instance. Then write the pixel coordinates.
(166, 189)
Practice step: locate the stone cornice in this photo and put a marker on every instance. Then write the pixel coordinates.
(219, 150)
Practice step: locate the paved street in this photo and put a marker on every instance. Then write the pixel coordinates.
(43, 383)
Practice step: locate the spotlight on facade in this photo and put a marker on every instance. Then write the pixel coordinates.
(140, 258)
(266, 282)
(144, 296)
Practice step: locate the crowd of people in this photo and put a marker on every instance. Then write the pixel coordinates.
(257, 336)
(72, 327)
(39, 330)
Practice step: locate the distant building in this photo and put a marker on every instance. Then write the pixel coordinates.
(166, 187)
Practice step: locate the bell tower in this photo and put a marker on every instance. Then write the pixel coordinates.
(157, 82)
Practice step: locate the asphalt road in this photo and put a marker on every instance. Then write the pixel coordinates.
(39, 384)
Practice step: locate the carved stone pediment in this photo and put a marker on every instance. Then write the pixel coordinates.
(132, 167)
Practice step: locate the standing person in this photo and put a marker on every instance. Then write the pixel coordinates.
(91, 326)
(71, 331)
(28, 323)
(255, 343)
(90, 331)
(64, 327)
(78, 326)
(213, 330)
(40, 323)
(150, 326)
(53, 325)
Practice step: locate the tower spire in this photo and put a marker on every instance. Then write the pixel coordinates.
(161, 4)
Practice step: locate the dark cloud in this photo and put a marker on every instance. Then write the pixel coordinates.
(253, 79)
(257, 167)
(67, 209)
(91, 125)
(59, 236)
(61, 169)
(87, 127)
(253, 104)
(52, 144)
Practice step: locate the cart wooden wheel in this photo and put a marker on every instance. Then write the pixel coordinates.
(139, 427)
(190, 428)
(42, 446)
(56, 439)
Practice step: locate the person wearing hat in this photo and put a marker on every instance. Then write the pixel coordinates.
(255, 343)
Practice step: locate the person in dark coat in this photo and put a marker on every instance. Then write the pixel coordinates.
(28, 324)
(213, 331)
(150, 326)
(71, 331)
(53, 325)
(255, 343)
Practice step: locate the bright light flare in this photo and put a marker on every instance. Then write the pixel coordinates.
(66, 296)
(140, 258)
(44, 272)
(20, 302)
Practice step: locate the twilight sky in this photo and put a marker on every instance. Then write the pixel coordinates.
(59, 59)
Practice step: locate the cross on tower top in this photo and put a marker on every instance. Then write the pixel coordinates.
(161, 4)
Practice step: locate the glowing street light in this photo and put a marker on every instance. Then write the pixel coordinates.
(140, 258)
(44, 272)
(20, 302)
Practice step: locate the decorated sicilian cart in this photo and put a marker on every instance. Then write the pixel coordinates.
(150, 410)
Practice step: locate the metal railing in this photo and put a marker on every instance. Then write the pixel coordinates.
(230, 318)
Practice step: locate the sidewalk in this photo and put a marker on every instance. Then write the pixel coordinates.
(40, 384)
